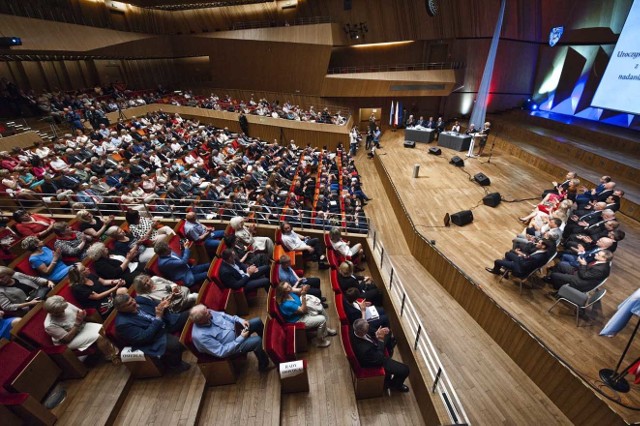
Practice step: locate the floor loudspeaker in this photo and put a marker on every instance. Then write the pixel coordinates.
(492, 200)
(482, 179)
(409, 144)
(462, 218)
(457, 161)
(435, 150)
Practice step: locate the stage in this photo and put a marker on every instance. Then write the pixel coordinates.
(561, 359)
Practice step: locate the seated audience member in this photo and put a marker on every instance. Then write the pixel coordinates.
(245, 234)
(311, 246)
(71, 244)
(293, 305)
(143, 228)
(32, 224)
(45, 261)
(562, 186)
(158, 289)
(6, 324)
(588, 221)
(551, 232)
(195, 231)
(91, 291)
(146, 331)
(342, 247)
(174, 322)
(347, 279)
(67, 325)
(586, 276)
(522, 263)
(370, 352)
(589, 240)
(356, 307)
(91, 225)
(289, 275)
(124, 243)
(110, 267)
(215, 333)
(176, 268)
(19, 292)
(235, 275)
(571, 256)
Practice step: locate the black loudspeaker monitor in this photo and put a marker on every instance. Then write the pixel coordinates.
(492, 200)
(434, 150)
(409, 144)
(462, 218)
(482, 179)
(457, 161)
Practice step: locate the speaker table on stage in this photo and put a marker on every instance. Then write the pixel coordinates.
(462, 218)
(409, 144)
(457, 161)
(482, 179)
(492, 200)
(435, 150)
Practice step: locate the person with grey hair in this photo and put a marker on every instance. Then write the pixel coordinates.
(245, 235)
(158, 288)
(144, 329)
(19, 292)
(342, 247)
(125, 242)
(218, 334)
(113, 267)
(67, 325)
(370, 352)
(44, 260)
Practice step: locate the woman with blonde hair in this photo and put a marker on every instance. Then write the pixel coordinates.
(245, 235)
(91, 225)
(67, 325)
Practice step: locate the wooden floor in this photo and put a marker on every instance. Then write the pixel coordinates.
(491, 387)
(442, 188)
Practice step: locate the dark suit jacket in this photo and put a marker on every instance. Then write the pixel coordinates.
(525, 265)
(142, 333)
(231, 278)
(587, 277)
(177, 269)
(368, 354)
(149, 306)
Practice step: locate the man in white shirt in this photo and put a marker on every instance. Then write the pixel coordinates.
(311, 246)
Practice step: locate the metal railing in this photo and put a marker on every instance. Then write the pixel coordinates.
(419, 338)
(172, 208)
(397, 67)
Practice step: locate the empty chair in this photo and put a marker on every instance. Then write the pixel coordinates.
(580, 300)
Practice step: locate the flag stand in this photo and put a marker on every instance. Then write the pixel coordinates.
(614, 379)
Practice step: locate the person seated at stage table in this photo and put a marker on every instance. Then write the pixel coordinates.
(216, 333)
(289, 275)
(32, 224)
(124, 243)
(521, 263)
(236, 275)
(158, 288)
(429, 124)
(91, 291)
(411, 122)
(177, 268)
(145, 330)
(347, 279)
(311, 246)
(439, 126)
(45, 261)
(456, 127)
(20, 292)
(370, 352)
(195, 231)
(113, 267)
(586, 276)
(295, 307)
(66, 325)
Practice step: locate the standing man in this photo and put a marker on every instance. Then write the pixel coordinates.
(244, 123)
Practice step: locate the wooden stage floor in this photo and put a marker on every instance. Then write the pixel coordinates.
(442, 188)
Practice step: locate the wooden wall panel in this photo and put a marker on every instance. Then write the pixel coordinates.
(410, 53)
(381, 83)
(36, 80)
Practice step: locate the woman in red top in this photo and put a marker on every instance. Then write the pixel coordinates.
(32, 224)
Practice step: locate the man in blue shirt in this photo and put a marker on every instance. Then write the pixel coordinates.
(214, 333)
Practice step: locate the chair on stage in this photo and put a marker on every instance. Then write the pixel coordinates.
(522, 280)
(579, 299)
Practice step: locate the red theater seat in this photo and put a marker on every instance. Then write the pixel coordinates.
(367, 382)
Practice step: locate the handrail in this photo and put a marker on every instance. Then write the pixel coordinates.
(420, 340)
(397, 67)
(298, 21)
(177, 209)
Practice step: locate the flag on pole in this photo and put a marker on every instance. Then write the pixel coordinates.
(395, 116)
